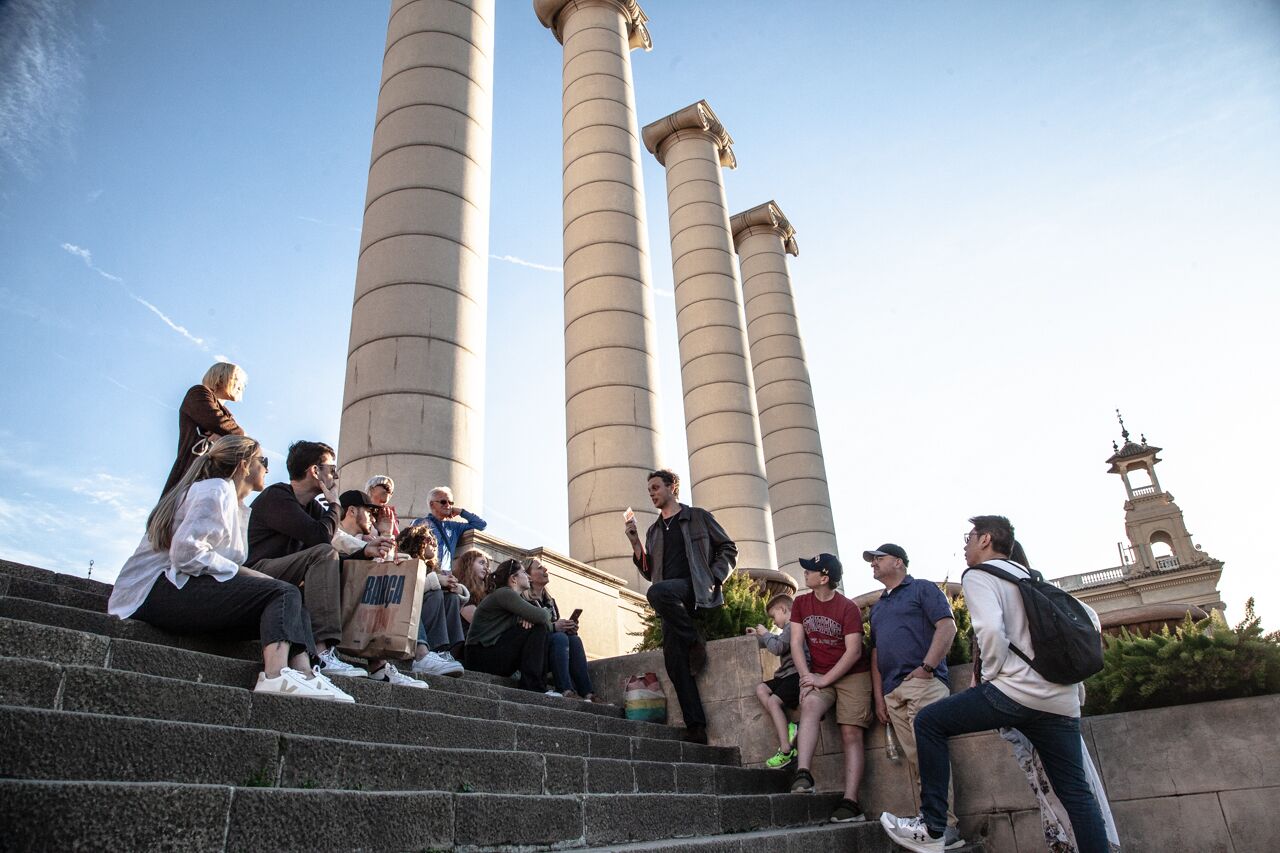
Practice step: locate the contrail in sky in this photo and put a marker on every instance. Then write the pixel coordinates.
(87, 256)
(512, 259)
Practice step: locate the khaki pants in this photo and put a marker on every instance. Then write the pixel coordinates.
(904, 703)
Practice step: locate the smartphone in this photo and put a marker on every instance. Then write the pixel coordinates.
(576, 614)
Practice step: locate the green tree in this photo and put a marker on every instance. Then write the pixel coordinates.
(1195, 662)
(743, 608)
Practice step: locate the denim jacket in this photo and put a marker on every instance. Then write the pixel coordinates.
(712, 554)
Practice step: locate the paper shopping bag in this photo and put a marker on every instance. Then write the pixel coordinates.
(381, 606)
(644, 699)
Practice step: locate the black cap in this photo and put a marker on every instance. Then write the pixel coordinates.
(827, 564)
(355, 497)
(888, 549)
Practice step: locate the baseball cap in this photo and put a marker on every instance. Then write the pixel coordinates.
(355, 497)
(827, 564)
(888, 549)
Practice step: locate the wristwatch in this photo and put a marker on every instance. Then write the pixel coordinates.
(929, 669)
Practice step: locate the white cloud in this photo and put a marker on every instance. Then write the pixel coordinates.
(87, 256)
(41, 71)
(512, 259)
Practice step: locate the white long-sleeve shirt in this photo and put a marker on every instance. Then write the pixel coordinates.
(210, 537)
(999, 618)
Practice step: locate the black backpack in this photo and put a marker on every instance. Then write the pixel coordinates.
(1068, 648)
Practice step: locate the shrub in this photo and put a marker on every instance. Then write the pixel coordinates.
(1196, 662)
(743, 608)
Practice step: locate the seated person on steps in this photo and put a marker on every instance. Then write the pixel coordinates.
(440, 626)
(499, 641)
(566, 657)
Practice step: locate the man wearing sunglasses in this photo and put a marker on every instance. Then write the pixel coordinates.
(440, 628)
(291, 536)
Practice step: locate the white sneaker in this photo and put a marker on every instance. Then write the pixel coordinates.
(289, 682)
(951, 839)
(432, 663)
(448, 657)
(391, 675)
(322, 684)
(554, 693)
(911, 833)
(335, 666)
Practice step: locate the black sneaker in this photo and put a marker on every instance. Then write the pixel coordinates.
(695, 734)
(848, 812)
(802, 782)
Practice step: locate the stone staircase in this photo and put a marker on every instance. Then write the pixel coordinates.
(120, 736)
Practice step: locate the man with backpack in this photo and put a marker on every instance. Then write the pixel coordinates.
(1024, 627)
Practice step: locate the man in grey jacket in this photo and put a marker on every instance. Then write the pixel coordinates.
(687, 556)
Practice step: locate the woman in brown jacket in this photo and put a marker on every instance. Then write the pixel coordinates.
(202, 415)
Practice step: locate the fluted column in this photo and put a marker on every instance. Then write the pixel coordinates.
(611, 408)
(413, 405)
(802, 522)
(726, 464)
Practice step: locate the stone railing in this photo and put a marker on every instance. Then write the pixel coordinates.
(1195, 777)
(1088, 579)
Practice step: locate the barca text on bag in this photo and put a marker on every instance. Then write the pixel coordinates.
(381, 606)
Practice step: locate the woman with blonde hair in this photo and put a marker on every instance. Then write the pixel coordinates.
(188, 574)
(202, 419)
(471, 569)
(380, 488)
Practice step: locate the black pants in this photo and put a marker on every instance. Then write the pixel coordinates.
(673, 601)
(523, 649)
(244, 607)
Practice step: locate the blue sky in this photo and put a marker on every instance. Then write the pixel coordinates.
(1013, 218)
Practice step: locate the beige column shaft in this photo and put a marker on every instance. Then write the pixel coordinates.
(611, 408)
(413, 406)
(726, 464)
(802, 522)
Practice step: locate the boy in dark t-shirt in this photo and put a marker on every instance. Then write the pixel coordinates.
(840, 675)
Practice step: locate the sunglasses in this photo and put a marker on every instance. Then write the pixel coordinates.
(262, 460)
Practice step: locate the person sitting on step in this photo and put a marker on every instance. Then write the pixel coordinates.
(509, 634)
(188, 575)
(440, 627)
(566, 657)
(471, 569)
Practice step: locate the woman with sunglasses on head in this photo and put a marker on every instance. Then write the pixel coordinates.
(188, 577)
(380, 488)
(499, 641)
(202, 419)
(566, 657)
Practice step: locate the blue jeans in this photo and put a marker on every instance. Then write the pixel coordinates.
(441, 624)
(1056, 739)
(567, 661)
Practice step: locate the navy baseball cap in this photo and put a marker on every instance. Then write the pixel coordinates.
(887, 550)
(827, 564)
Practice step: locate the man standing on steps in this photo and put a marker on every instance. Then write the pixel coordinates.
(909, 671)
(836, 673)
(290, 538)
(1011, 694)
(687, 556)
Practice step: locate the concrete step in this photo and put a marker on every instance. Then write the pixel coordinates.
(467, 696)
(133, 749)
(384, 713)
(21, 570)
(164, 816)
(866, 837)
(67, 596)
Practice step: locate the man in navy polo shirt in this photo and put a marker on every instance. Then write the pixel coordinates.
(911, 630)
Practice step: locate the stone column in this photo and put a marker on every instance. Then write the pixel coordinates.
(414, 399)
(611, 409)
(802, 522)
(726, 464)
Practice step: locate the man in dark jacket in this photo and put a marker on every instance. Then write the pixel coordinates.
(687, 556)
(290, 538)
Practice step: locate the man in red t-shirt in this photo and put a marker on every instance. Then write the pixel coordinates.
(840, 675)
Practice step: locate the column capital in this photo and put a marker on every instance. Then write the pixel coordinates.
(552, 13)
(697, 118)
(767, 217)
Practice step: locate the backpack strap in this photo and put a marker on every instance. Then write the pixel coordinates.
(996, 571)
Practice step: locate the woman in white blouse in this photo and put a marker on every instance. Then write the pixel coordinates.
(187, 574)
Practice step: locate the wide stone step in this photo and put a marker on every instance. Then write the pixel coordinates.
(132, 749)
(467, 696)
(67, 596)
(404, 715)
(8, 568)
(141, 816)
(866, 837)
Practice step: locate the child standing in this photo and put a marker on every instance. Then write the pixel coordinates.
(782, 692)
